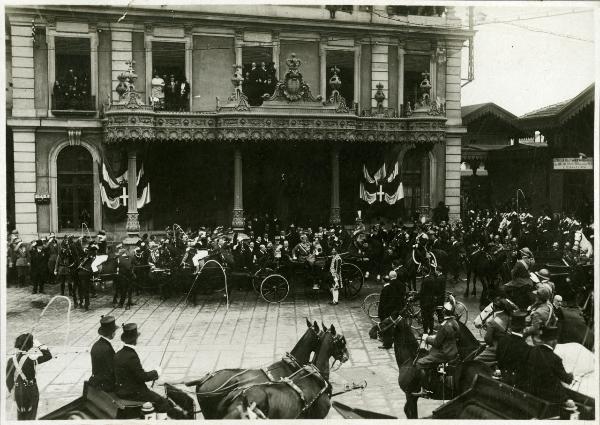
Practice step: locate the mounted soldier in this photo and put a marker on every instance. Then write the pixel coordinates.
(444, 345)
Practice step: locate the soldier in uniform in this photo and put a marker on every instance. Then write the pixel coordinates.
(21, 372)
(125, 278)
(131, 378)
(103, 353)
(444, 346)
(84, 275)
(541, 315)
(39, 267)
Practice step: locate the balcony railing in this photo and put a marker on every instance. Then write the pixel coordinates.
(73, 105)
(416, 10)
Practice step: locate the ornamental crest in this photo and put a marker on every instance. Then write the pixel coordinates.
(292, 88)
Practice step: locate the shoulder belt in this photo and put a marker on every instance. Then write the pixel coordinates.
(18, 365)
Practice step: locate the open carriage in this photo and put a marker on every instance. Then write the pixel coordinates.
(98, 404)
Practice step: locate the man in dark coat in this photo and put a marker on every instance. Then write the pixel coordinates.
(546, 370)
(39, 267)
(431, 295)
(171, 94)
(183, 95)
(387, 307)
(125, 278)
(103, 354)
(131, 378)
(512, 352)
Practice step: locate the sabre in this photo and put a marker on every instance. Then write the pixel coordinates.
(353, 387)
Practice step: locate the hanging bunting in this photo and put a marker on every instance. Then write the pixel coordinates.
(394, 174)
(380, 174)
(112, 203)
(399, 194)
(145, 198)
(368, 178)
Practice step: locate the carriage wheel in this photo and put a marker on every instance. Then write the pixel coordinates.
(258, 277)
(368, 300)
(274, 288)
(461, 312)
(352, 280)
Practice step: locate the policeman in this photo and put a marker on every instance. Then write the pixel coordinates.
(131, 378)
(103, 353)
(20, 375)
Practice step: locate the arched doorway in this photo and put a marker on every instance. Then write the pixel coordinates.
(75, 188)
(415, 179)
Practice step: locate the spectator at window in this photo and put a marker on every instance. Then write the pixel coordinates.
(183, 95)
(171, 94)
(158, 94)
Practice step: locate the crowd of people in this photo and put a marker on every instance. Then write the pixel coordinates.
(170, 93)
(72, 91)
(259, 80)
(522, 322)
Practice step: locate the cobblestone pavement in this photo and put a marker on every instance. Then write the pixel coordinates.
(207, 337)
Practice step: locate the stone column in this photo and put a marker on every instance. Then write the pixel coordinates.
(401, 53)
(122, 51)
(323, 68)
(237, 221)
(133, 225)
(276, 52)
(334, 216)
(238, 42)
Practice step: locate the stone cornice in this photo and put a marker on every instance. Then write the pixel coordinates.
(276, 23)
(127, 126)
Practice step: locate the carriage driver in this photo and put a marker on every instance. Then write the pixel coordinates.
(444, 345)
(131, 378)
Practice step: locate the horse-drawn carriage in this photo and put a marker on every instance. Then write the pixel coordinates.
(489, 398)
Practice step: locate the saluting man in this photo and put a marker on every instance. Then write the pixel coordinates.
(103, 356)
(20, 375)
(131, 378)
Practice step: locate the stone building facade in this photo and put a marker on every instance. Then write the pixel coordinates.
(72, 112)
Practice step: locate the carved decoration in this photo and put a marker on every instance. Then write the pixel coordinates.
(292, 88)
(74, 135)
(334, 216)
(133, 223)
(379, 97)
(237, 221)
(238, 98)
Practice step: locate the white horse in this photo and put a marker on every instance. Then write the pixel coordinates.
(585, 246)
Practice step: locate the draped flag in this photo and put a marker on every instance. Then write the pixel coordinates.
(388, 187)
(113, 190)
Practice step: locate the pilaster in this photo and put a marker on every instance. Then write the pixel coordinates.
(122, 51)
(379, 72)
(22, 70)
(133, 225)
(25, 182)
(237, 221)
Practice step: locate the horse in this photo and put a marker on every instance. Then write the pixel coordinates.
(443, 386)
(212, 389)
(305, 394)
(572, 327)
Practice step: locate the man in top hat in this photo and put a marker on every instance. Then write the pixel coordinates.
(541, 315)
(103, 353)
(443, 344)
(546, 369)
(39, 266)
(130, 376)
(512, 352)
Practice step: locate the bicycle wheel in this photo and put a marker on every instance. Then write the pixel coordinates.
(461, 312)
(274, 288)
(373, 310)
(415, 317)
(368, 300)
(352, 280)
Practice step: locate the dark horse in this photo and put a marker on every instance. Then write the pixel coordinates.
(212, 389)
(415, 265)
(487, 269)
(457, 379)
(305, 394)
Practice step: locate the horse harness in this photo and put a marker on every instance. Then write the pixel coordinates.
(311, 370)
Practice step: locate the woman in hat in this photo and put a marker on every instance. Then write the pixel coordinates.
(103, 356)
(21, 375)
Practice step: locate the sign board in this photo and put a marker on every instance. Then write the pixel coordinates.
(573, 163)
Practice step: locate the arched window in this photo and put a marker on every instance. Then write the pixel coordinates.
(75, 182)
